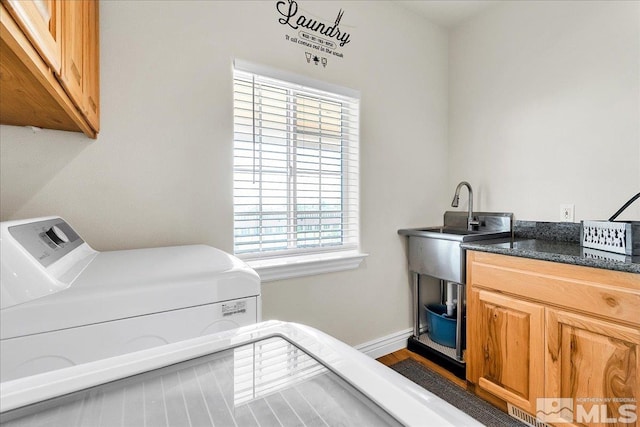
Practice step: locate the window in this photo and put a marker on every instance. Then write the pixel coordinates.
(295, 167)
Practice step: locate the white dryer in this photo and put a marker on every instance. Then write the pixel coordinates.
(63, 303)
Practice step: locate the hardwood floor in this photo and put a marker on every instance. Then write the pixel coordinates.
(400, 355)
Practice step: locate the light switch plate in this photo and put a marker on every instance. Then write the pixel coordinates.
(567, 212)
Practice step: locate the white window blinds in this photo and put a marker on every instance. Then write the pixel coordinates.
(295, 168)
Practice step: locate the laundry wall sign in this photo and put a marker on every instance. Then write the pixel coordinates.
(321, 40)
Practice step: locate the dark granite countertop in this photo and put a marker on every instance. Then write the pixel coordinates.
(557, 242)
(564, 252)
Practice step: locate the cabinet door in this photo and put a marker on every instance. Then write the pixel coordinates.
(595, 363)
(91, 87)
(73, 38)
(40, 21)
(505, 345)
(80, 57)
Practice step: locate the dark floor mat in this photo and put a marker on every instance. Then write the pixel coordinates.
(455, 395)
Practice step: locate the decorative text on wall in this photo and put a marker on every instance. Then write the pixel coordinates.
(319, 39)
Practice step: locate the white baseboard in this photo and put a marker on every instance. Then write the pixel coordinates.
(385, 345)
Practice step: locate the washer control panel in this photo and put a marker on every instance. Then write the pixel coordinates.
(47, 241)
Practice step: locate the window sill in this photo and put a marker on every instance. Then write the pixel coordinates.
(305, 265)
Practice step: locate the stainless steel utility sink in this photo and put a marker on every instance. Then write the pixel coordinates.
(436, 251)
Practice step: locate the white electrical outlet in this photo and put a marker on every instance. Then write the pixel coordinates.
(567, 212)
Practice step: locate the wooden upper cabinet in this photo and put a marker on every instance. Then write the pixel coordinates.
(40, 22)
(65, 96)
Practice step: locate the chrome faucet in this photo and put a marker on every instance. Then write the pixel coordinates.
(471, 222)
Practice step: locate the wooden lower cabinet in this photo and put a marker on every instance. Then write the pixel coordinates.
(507, 340)
(560, 342)
(596, 364)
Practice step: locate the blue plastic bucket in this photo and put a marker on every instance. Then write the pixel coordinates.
(441, 329)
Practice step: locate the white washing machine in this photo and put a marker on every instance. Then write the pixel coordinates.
(63, 303)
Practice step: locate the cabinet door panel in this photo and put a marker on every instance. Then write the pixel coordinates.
(595, 363)
(506, 344)
(72, 52)
(507, 341)
(91, 89)
(40, 21)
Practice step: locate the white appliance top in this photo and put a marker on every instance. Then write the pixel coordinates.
(255, 375)
(107, 286)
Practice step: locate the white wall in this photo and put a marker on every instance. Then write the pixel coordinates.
(160, 172)
(545, 107)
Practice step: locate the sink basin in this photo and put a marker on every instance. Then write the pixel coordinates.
(436, 251)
